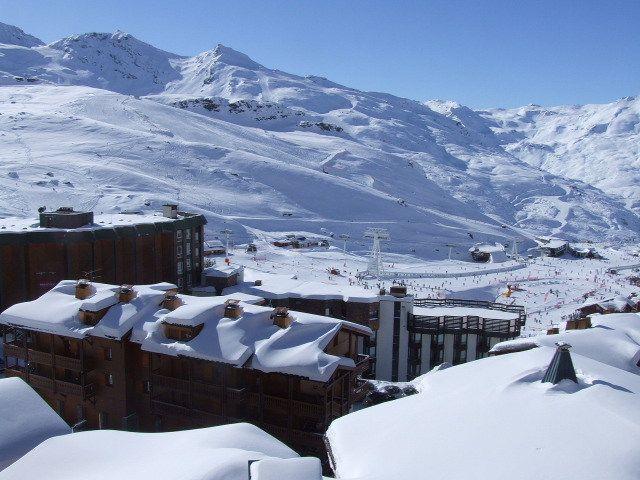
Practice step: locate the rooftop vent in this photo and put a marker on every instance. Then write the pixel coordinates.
(65, 217)
(561, 366)
(171, 301)
(281, 317)
(398, 291)
(126, 294)
(170, 210)
(232, 308)
(83, 289)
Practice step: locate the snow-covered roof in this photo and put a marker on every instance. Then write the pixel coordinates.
(493, 418)
(25, 420)
(465, 312)
(283, 286)
(221, 271)
(57, 311)
(305, 468)
(614, 339)
(106, 220)
(215, 453)
(487, 248)
(295, 350)
(618, 303)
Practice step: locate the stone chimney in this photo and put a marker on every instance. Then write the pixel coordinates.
(561, 366)
(83, 289)
(126, 294)
(281, 317)
(232, 308)
(171, 301)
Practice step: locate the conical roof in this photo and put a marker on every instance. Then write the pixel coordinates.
(561, 366)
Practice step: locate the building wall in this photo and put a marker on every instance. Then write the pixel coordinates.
(392, 340)
(33, 262)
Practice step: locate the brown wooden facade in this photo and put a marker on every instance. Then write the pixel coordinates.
(34, 261)
(104, 383)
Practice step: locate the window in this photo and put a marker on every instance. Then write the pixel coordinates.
(179, 235)
(188, 248)
(108, 379)
(187, 235)
(179, 282)
(197, 252)
(179, 251)
(146, 386)
(188, 264)
(103, 420)
(196, 236)
(108, 353)
(188, 280)
(179, 268)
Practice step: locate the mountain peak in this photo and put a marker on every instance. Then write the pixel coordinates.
(229, 56)
(13, 35)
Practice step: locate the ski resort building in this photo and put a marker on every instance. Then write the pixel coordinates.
(416, 335)
(483, 252)
(120, 248)
(147, 358)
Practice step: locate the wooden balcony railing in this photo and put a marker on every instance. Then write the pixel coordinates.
(207, 418)
(42, 382)
(38, 356)
(171, 383)
(163, 408)
(69, 363)
(17, 351)
(15, 372)
(308, 410)
(70, 388)
(276, 405)
(236, 395)
(308, 439)
(206, 390)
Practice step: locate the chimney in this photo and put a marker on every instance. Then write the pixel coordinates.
(171, 301)
(561, 366)
(281, 317)
(170, 210)
(83, 289)
(232, 308)
(126, 294)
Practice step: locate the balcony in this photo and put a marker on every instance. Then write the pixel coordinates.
(276, 405)
(41, 382)
(15, 372)
(307, 439)
(163, 408)
(69, 363)
(16, 351)
(69, 388)
(37, 356)
(362, 365)
(207, 418)
(170, 383)
(307, 410)
(207, 390)
(236, 395)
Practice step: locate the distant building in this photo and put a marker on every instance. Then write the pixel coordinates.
(119, 248)
(415, 335)
(483, 252)
(214, 247)
(147, 358)
(552, 247)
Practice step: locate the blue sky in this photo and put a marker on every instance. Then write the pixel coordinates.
(480, 53)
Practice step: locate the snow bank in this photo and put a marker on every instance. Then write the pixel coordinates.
(493, 418)
(25, 421)
(216, 453)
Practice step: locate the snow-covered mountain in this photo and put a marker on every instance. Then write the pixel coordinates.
(598, 144)
(108, 122)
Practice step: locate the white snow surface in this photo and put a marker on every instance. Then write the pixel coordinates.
(110, 123)
(502, 423)
(215, 453)
(614, 339)
(25, 421)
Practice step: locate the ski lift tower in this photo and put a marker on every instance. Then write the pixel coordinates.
(515, 248)
(375, 260)
(451, 245)
(344, 237)
(227, 233)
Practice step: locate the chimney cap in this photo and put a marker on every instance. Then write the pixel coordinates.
(561, 366)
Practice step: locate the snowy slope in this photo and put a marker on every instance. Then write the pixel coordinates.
(11, 35)
(243, 143)
(598, 144)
